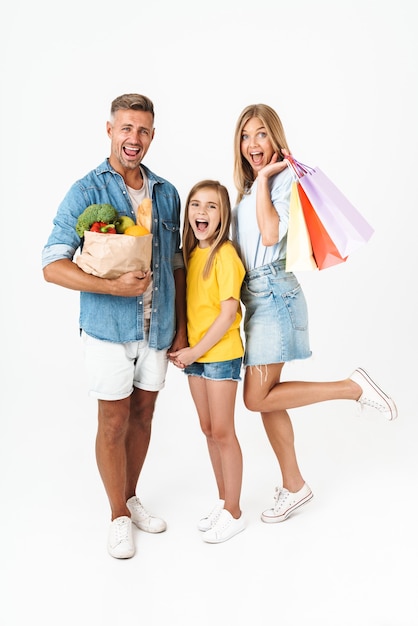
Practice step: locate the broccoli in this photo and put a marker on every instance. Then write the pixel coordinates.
(95, 213)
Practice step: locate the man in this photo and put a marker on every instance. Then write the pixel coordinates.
(127, 324)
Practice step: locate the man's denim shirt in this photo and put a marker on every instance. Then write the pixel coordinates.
(115, 318)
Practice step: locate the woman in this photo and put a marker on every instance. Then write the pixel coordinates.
(276, 316)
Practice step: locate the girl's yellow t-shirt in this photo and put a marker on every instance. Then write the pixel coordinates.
(204, 297)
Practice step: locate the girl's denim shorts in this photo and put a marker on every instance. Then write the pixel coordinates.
(219, 370)
(276, 316)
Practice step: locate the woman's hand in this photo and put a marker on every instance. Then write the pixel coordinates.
(275, 166)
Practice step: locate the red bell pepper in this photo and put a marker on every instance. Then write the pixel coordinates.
(102, 227)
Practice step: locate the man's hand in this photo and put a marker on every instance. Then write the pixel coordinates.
(130, 284)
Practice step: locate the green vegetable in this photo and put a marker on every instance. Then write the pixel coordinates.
(95, 213)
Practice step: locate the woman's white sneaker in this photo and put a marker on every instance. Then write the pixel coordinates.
(207, 522)
(286, 503)
(373, 397)
(120, 543)
(225, 527)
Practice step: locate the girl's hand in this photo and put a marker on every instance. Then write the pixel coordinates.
(182, 358)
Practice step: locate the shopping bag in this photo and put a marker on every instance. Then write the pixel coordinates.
(347, 228)
(324, 249)
(299, 255)
(110, 255)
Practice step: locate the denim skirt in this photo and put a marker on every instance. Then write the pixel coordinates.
(276, 316)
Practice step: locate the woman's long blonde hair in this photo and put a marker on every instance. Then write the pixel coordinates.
(189, 241)
(243, 173)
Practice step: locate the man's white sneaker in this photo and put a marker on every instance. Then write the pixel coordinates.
(144, 520)
(225, 527)
(286, 503)
(207, 522)
(120, 542)
(373, 397)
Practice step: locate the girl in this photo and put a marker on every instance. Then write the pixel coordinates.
(213, 359)
(276, 318)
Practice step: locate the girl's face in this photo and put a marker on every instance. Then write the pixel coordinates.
(204, 215)
(256, 147)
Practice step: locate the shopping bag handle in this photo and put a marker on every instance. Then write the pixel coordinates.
(300, 169)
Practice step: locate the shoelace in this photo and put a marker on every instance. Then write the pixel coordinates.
(139, 510)
(280, 498)
(222, 522)
(373, 404)
(121, 531)
(214, 515)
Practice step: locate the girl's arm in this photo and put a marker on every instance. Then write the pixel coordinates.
(215, 332)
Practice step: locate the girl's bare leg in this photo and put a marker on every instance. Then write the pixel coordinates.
(221, 400)
(200, 398)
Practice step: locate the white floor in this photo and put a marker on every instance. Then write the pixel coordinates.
(348, 558)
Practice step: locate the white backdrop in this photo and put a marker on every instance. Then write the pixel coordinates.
(343, 78)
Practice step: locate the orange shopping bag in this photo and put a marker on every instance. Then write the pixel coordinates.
(324, 249)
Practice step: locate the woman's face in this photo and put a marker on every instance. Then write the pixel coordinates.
(256, 147)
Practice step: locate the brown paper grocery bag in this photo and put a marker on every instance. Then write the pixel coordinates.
(110, 255)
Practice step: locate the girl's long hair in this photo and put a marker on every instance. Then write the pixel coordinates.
(243, 173)
(189, 241)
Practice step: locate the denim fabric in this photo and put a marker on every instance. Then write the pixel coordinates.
(114, 318)
(276, 316)
(218, 370)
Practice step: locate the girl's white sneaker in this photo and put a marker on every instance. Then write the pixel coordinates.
(207, 522)
(225, 528)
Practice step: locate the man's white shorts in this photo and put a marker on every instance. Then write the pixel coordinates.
(114, 369)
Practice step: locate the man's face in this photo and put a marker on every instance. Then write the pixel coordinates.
(131, 133)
